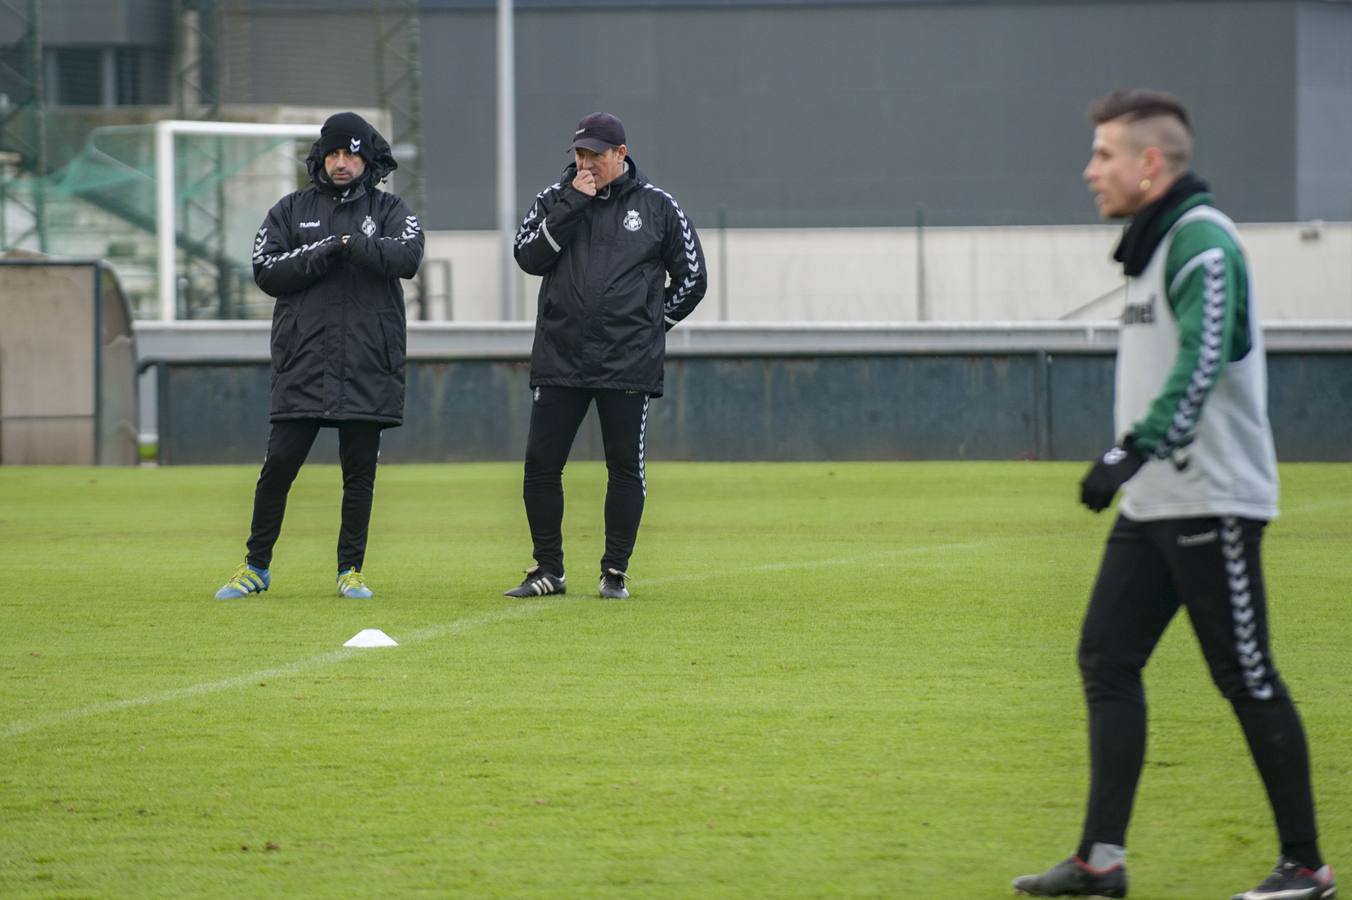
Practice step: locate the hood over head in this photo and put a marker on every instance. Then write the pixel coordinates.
(349, 131)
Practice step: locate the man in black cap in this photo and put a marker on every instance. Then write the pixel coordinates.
(332, 254)
(621, 265)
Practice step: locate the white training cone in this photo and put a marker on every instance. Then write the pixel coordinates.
(371, 637)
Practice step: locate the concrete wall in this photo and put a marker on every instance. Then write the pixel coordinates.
(47, 375)
(742, 391)
(1301, 272)
(67, 366)
(981, 405)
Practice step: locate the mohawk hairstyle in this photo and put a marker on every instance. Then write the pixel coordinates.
(1136, 104)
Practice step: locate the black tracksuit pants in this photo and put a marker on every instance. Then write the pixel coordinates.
(1210, 567)
(288, 446)
(555, 417)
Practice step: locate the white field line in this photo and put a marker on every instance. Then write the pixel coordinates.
(26, 726)
(435, 632)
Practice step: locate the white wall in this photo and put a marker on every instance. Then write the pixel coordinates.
(1301, 271)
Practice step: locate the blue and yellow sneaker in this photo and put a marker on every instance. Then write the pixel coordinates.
(246, 580)
(352, 585)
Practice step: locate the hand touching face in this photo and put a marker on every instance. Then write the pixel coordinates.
(596, 170)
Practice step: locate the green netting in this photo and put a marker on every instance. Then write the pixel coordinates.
(102, 203)
(117, 163)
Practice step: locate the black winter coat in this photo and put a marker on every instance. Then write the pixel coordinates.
(338, 327)
(605, 302)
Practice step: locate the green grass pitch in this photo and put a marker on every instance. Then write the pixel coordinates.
(834, 680)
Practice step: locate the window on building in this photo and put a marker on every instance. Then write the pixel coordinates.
(106, 76)
(75, 76)
(127, 64)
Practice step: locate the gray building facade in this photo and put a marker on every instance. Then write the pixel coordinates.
(811, 114)
(815, 114)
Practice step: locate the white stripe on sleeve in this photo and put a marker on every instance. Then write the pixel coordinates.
(544, 229)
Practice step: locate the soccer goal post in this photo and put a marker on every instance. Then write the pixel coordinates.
(166, 206)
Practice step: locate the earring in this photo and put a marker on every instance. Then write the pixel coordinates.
(1145, 184)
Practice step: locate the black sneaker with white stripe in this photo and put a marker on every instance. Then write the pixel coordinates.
(538, 584)
(1292, 881)
(1074, 878)
(612, 585)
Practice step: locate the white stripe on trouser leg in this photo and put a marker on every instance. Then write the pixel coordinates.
(1241, 609)
(642, 432)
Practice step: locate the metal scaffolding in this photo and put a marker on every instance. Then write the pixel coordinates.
(399, 85)
(209, 279)
(23, 125)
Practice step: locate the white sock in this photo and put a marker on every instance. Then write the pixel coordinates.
(1105, 856)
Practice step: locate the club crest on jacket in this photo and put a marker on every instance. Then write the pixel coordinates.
(368, 226)
(632, 221)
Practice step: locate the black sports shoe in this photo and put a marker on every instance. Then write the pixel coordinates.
(1073, 878)
(537, 584)
(612, 585)
(1292, 881)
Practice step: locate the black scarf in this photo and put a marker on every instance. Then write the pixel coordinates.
(1145, 231)
(350, 191)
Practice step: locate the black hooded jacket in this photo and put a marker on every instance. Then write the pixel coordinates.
(338, 327)
(605, 302)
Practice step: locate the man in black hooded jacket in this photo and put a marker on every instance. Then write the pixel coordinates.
(332, 253)
(621, 265)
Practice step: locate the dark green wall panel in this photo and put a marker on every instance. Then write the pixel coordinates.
(882, 407)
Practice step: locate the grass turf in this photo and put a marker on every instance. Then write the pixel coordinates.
(834, 680)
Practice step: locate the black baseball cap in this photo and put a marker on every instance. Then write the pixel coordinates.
(598, 133)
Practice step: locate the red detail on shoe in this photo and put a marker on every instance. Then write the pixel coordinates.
(1093, 871)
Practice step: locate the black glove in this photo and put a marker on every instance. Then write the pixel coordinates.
(1109, 472)
(325, 256)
